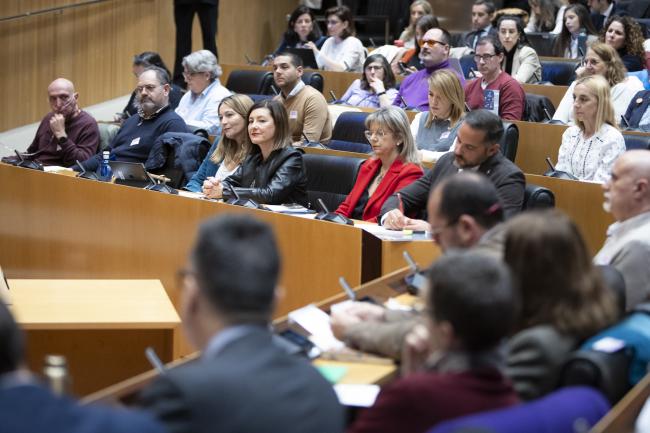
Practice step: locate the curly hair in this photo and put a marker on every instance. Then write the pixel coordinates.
(633, 35)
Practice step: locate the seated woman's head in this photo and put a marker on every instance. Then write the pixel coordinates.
(553, 272)
(576, 18)
(200, 69)
(511, 32)
(145, 59)
(389, 134)
(376, 67)
(544, 11)
(302, 25)
(233, 115)
(268, 125)
(592, 106)
(340, 23)
(418, 9)
(623, 34)
(446, 97)
(602, 59)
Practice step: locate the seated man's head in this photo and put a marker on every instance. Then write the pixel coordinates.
(471, 302)
(231, 278)
(287, 70)
(12, 343)
(627, 192)
(482, 14)
(62, 97)
(434, 47)
(488, 57)
(153, 89)
(477, 138)
(462, 208)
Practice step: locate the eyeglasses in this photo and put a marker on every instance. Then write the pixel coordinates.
(380, 133)
(484, 57)
(374, 68)
(333, 22)
(189, 75)
(430, 43)
(149, 88)
(436, 231)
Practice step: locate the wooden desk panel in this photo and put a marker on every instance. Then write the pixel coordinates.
(583, 202)
(536, 142)
(423, 252)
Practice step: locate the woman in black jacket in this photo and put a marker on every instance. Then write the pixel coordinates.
(273, 173)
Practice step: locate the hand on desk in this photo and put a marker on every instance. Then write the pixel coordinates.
(395, 220)
(212, 188)
(356, 312)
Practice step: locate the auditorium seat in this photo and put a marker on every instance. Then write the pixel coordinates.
(633, 141)
(535, 106)
(314, 79)
(558, 72)
(542, 42)
(510, 140)
(330, 178)
(250, 82)
(538, 197)
(467, 63)
(348, 133)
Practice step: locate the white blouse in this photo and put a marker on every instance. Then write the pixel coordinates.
(349, 54)
(590, 159)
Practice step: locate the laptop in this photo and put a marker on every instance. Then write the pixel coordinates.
(307, 56)
(130, 174)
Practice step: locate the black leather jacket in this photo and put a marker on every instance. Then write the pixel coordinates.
(278, 180)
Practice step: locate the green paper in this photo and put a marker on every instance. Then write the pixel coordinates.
(332, 373)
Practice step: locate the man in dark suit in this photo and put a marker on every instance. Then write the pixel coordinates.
(482, 16)
(637, 115)
(476, 148)
(184, 10)
(27, 407)
(603, 9)
(243, 382)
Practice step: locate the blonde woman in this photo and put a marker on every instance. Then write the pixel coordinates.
(418, 9)
(435, 130)
(590, 148)
(395, 164)
(229, 151)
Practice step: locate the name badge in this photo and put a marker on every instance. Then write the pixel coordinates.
(491, 101)
(445, 134)
(135, 141)
(293, 114)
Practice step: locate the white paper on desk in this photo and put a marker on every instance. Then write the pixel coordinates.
(281, 208)
(356, 395)
(317, 323)
(392, 235)
(55, 168)
(190, 194)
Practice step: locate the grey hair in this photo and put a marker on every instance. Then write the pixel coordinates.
(395, 120)
(202, 61)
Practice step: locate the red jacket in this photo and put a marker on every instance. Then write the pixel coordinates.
(398, 176)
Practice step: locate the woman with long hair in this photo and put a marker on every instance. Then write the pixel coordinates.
(624, 34)
(375, 88)
(575, 25)
(418, 9)
(543, 16)
(520, 60)
(301, 29)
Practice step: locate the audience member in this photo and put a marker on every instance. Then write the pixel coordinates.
(434, 54)
(476, 148)
(464, 212)
(577, 33)
(543, 16)
(66, 134)
(625, 35)
(155, 117)
(602, 59)
(301, 29)
(273, 172)
(627, 248)
(637, 115)
(141, 62)
(410, 57)
(563, 299)
(184, 11)
(495, 90)
(28, 407)
(243, 382)
(199, 107)
(418, 8)
(342, 51)
(435, 130)
(394, 164)
(590, 147)
(520, 60)
(471, 307)
(601, 11)
(227, 153)
(307, 108)
(482, 16)
(376, 88)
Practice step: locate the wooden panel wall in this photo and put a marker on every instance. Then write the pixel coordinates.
(93, 46)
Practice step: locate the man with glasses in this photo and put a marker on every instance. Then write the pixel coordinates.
(139, 132)
(434, 54)
(482, 16)
(66, 133)
(495, 90)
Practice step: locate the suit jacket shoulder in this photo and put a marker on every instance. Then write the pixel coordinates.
(509, 181)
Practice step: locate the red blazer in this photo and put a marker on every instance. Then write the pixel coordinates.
(397, 177)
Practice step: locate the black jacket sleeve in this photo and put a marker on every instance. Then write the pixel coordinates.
(164, 400)
(414, 196)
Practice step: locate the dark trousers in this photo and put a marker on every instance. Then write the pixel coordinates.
(183, 17)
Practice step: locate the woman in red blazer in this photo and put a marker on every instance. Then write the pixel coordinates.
(395, 164)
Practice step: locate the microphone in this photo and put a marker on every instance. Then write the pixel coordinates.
(347, 289)
(28, 163)
(624, 121)
(238, 201)
(84, 174)
(410, 261)
(403, 101)
(308, 143)
(326, 215)
(549, 163)
(322, 205)
(249, 60)
(347, 67)
(472, 72)
(334, 100)
(416, 281)
(153, 359)
(20, 157)
(547, 114)
(467, 109)
(275, 90)
(232, 191)
(372, 42)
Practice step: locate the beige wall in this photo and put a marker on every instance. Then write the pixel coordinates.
(93, 46)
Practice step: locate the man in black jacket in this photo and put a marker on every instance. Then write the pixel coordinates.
(243, 382)
(476, 148)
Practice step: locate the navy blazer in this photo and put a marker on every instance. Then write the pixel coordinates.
(636, 109)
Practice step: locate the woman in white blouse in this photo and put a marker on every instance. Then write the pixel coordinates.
(603, 60)
(590, 148)
(341, 51)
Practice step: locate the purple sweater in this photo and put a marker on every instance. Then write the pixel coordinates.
(415, 88)
(81, 144)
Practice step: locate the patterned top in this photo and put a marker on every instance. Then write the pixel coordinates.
(590, 159)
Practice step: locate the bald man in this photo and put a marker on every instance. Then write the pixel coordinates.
(66, 134)
(627, 248)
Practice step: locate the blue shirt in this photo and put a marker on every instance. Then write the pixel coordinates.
(201, 111)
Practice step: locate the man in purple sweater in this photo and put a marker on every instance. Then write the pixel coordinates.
(434, 54)
(66, 133)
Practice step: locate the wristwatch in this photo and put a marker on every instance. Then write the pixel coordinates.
(62, 140)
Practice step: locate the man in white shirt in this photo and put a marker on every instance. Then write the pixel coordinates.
(627, 248)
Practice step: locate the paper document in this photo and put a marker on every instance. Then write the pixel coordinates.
(317, 323)
(356, 395)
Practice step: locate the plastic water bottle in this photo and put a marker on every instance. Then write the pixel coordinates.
(105, 173)
(582, 43)
(56, 374)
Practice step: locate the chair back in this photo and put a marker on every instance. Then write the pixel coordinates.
(538, 197)
(542, 42)
(537, 107)
(314, 79)
(558, 72)
(510, 140)
(250, 82)
(330, 178)
(633, 141)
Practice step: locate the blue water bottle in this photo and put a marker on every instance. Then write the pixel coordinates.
(105, 172)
